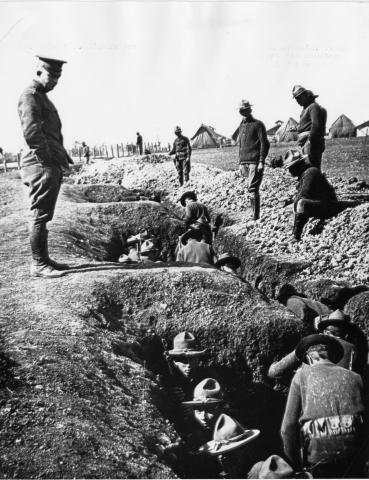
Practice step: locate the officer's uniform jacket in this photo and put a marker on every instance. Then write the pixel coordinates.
(41, 127)
(181, 147)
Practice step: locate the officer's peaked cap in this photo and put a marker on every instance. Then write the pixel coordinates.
(52, 65)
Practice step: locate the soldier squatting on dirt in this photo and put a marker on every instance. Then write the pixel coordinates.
(42, 161)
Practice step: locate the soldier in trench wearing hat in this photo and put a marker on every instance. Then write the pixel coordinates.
(254, 148)
(323, 424)
(180, 376)
(338, 325)
(312, 125)
(182, 150)
(197, 215)
(43, 161)
(194, 250)
(229, 263)
(316, 197)
(229, 444)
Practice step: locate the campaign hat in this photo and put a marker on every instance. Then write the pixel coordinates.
(225, 258)
(228, 435)
(207, 392)
(334, 347)
(184, 344)
(292, 157)
(337, 318)
(190, 194)
(244, 104)
(297, 90)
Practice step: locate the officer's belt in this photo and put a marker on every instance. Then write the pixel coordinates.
(331, 426)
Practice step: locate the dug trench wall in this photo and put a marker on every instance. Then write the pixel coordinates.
(75, 400)
(336, 255)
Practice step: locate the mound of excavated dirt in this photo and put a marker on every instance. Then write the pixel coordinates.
(341, 251)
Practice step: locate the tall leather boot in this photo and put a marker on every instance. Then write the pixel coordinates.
(40, 266)
(256, 207)
(53, 263)
(298, 226)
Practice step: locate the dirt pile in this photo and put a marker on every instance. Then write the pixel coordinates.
(340, 251)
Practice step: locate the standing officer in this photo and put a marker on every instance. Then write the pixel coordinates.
(311, 128)
(182, 150)
(254, 148)
(86, 152)
(43, 161)
(139, 142)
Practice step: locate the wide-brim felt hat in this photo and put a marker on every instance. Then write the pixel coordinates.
(337, 318)
(184, 344)
(189, 194)
(299, 89)
(244, 104)
(335, 348)
(273, 467)
(228, 436)
(292, 157)
(190, 233)
(206, 393)
(148, 246)
(225, 258)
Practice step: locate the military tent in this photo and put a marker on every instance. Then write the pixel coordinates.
(272, 131)
(362, 130)
(284, 134)
(342, 127)
(207, 137)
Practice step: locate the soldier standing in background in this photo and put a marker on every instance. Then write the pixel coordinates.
(43, 161)
(182, 150)
(254, 148)
(86, 152)
(311, 128)
(139, 142)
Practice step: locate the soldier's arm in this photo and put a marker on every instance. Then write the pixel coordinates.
(173, 151)
(315, 122)
(30, 113)
(290, 430)
(264, 143)
(189, 147)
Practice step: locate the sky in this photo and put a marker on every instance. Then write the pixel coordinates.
(149, 66)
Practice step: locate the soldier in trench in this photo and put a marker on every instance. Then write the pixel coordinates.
(196, 215)
(193, 250)
(43, 161)
(338, 325)
(315, 197)
(323, 424)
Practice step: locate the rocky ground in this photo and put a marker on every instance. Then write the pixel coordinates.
(340, 251)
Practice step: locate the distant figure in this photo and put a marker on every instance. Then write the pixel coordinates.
(311, 128)
(197, 215)
(139, 143)
(86, 152)
(315, 195)
(254, 148)
(182, 150)
(322, 428)
(194, 250)
(43, 161)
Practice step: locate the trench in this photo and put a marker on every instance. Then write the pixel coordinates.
(107, 216)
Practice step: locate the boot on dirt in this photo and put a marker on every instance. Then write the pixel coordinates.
(53, 263)
(298, 226)
(40, 266)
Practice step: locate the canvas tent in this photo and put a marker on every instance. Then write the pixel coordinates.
(207, 137)
(362, 130)
(272, 131)
(342, 127)
(283, 134)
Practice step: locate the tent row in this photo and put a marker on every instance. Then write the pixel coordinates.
(207, 137)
